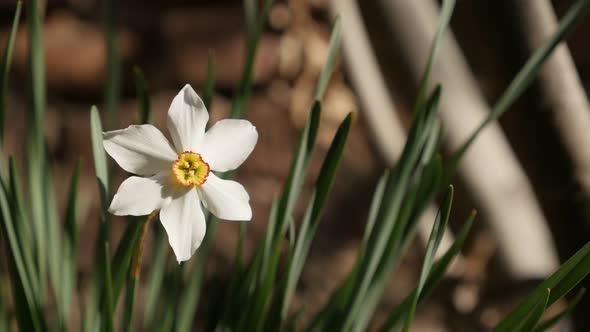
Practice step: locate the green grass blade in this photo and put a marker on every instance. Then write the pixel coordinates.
(436, 274)
(100, 167)
(209, 88)
(133, 277)
(329, 167)
(4, 320)
(130, 295)
(531, 321)
(298, 169)
(375, 206)
(270, 230)
(251, 13)
(123, 254)
(155, 276)
(22, 226)
(435, 237)
(445, 17)
(328, 68)
(5, 68)
(107, 317)
(100, 162)
(54, 249)
(238, 106)
(113, 76)
(524, 78)
(142, 91)
(37, 66)
(379, 258)
(312, 217)
(190, 297)
(287, 201)
(71, 224)
(555, 319)
(566, 277)
(25, 297)
(35, 144)
(70, 242)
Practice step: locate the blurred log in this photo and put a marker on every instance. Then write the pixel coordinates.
(561, 86)
(377, 105)
(490, 168)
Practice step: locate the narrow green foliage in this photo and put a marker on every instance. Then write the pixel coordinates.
(123, 255)
(328, 68)
(561, 282)
(378, 259)
(107, 312)
(524, 78)
(298, 170)
(128, 313)
(435, 237)
(435, 276)
(70, 243)
(375, 206)
(189, 299)
(35, 143)
(5, 68)
(95, 296)
(23, 226)
(329, 167)
(251, 15)
(288, 198)
(100, 162)
(155, 275)
(71, 224)
(209, 88)
(54, 248)
(535, 315)
(445, 17)
(255, 28)
(142, 90)
(133, 273)
(3, 311)
(37, 66)
(113, 75)
(310, 223)
(25, 293)
(555, 319)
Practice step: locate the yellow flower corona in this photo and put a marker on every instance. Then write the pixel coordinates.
(190, 169)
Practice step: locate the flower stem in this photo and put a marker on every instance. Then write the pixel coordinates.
(136, 265)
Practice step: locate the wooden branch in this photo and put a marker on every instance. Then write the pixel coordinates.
(377, 105)
(490, 169)
(561, 87)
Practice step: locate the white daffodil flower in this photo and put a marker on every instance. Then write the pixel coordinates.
(177, 178)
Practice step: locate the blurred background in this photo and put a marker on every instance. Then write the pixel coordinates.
(529, 176)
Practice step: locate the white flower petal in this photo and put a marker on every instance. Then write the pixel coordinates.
(184, 223)
(139, 149)
(187, 118)
(225, 199)
(228, 143)
(140, 196)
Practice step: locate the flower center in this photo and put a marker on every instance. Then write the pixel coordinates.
(190, 169)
